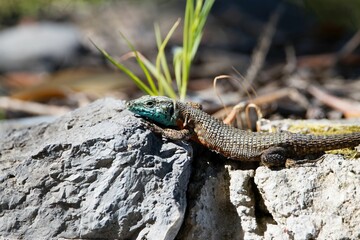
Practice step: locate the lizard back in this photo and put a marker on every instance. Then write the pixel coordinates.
(243, 145)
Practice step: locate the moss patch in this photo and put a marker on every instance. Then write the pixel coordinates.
(326, 129)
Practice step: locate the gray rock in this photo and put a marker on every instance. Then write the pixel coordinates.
(312, 201)
(317, 201)
(242, 196)
(220, 206)
(97, 173)
(93, 173)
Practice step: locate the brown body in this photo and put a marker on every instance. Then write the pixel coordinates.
(243, 145)
(273, 149)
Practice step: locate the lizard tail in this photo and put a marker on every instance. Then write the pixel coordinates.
(309, 144)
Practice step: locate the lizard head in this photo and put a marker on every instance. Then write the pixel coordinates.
(157, 109)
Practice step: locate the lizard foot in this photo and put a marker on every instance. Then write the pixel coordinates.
(183, 134)
(274, 157)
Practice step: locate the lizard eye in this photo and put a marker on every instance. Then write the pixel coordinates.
(150, 103)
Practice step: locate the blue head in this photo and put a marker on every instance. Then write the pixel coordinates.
(157, 109)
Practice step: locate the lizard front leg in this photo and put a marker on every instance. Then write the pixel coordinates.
(183, 134)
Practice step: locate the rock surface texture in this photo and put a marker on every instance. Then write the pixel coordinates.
(99, 173)
(92, 174)
(321, 201)
(314, 201)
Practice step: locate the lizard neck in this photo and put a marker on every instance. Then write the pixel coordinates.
(193, 117)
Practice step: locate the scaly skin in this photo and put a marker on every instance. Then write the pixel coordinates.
(273, 149)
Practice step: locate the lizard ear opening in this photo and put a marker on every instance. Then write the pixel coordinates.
(171, 111)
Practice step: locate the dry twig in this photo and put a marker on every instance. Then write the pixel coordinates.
(260, 52)
(350, 109)
(12, 104)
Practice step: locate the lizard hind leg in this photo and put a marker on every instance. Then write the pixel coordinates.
(274, 157)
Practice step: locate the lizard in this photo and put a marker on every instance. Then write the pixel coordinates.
(179, 120)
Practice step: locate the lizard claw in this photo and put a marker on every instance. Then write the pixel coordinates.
(290, 163)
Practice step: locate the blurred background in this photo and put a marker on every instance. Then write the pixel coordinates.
(302, 55)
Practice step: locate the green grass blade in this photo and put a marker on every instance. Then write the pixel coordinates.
(158, 44)
(159, 76)
(195, 18)
(136, 80)
(141, 64)
(161, 57)
(196, 13)
(177, 61)
(202, 16)
(189, 12)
